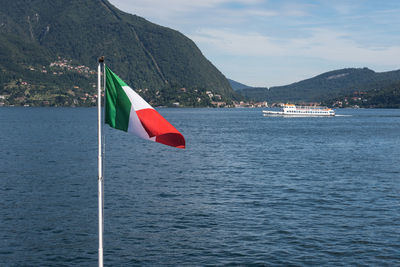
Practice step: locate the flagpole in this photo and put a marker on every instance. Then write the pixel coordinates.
(100, 162)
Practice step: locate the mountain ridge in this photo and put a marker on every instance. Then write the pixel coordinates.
(325, 86)
(237, 85)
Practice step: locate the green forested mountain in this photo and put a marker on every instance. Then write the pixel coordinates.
(326, 86)
(162, 63)
(386, 97)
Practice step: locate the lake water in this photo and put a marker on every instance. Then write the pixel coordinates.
(248, 190)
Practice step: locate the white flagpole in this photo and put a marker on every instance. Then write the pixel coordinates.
(100, 162)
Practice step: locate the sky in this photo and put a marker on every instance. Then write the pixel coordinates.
(277, 42)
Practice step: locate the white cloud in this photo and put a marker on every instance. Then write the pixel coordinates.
(232, 43)
(171, 8)
(295, 10)
(322, 43)
(343, 8)
(257, 12)
(338, 46)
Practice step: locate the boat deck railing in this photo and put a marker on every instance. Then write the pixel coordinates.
(310, 107)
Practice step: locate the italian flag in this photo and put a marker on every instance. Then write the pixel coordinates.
(127, 111)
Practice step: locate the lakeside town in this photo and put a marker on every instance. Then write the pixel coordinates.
(26, 94)
(23, 93)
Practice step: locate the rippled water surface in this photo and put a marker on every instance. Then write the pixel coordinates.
(248, 190)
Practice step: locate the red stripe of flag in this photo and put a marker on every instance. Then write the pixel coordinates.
(156, 125)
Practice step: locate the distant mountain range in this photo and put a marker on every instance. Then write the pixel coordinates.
(237, 85)
(327, 86)
(49, 51)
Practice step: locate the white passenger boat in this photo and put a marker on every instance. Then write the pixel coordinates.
(293, 110)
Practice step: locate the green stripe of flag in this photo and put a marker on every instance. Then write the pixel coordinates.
(117, 104)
